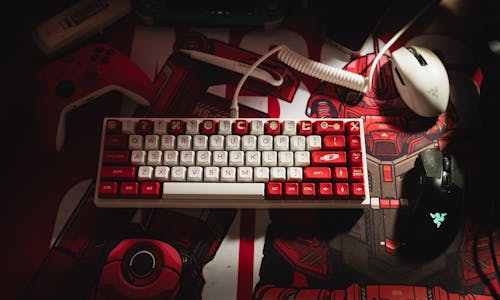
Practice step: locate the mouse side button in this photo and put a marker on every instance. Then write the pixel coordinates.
(432, 163)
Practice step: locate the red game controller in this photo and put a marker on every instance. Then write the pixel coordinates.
(79, 78)
(140, 269)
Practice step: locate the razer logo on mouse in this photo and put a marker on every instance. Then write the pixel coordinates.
(438, 218)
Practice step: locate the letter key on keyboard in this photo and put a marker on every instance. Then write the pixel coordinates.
(232, 163)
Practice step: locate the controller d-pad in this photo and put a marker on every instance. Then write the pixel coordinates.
(65, 89)
(105, 60)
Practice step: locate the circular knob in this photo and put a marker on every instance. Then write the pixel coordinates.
(65, 89)
(142, 264)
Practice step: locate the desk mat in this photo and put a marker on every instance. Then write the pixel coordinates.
(292, 254)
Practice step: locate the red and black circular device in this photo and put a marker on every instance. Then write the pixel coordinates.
(141, 269)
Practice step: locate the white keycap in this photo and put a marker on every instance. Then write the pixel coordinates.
(277, 174)
(245, 174)
(252, 158)
(186, 158)
(265, 142)
(224, 127)
(228, 174)
(281, 143)
(233, 142)
(167, 142)
(211, 174)
(135, 142)
(203, 158)
(162, 173)
(152, 142)
(289, 127)
(200, 142)
(155, 157)
(192, 127)
(138, 157)
(216, 142)
(219, 158)
(269, 158)
(294, 174)
(160, 127)
(219, 190)
(261, 174)
(285, 159)
(194, 174)
(236, 158)
(128, 127)
(298, 143)
(302, 158)
(184, 142)
(178, 173)
(248, 142)
(313, 142)
(145, 173)
(257, 127)
(170, 158)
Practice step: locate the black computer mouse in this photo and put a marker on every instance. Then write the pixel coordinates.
(434, 216)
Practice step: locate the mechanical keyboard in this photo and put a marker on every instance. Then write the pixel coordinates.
(232, 163)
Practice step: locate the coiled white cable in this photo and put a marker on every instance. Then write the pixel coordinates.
(322, 71)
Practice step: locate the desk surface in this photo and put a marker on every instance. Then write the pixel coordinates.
(348, 259)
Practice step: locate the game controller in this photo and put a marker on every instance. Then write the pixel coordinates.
(81, 77)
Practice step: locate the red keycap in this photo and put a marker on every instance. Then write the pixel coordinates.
(272, 127)
(334, 142)
(150, 189)
(305, 128)
(354, 142)
(325, 189)
(108, 188)
(118, 172)
(355, 158)
(145, 127)
(356, 174)
(274, 190)
(341, 189)
(308, 189)
(353, 127)
(291, 190)
(208, 127)
(340, 174)
(115, 157)
(129, 188)
(327, 158)
(114, 127)
(357, 189)
(240, 127)
(177, 127)
(323, 127)
(317, 174)
(115, 141)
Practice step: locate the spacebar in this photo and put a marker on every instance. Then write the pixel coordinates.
(215, 190)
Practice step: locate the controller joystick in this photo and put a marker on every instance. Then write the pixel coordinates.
(140, 269)
(79, 78)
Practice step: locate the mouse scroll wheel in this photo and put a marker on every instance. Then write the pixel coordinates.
(418, 56)
(446, 164)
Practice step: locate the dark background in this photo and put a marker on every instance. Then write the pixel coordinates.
(473, 22)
